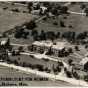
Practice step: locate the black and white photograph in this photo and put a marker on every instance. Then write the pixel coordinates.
(43, 44)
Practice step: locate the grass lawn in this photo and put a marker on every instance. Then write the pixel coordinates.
(34, 61)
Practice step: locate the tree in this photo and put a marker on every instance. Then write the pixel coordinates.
(77, 48)
(36, 38)
(86, 78)
(50, 52)
(30, 48)
(86, 46)
(25, 35)
(85, 33)
(55, 23)
(64, 9)
(58, 35)
(50, 35)
(7, 45)
(37, 6)
(68, 73)
(47, 70)
(31, 25)
(30, 4)
(15, 10)
(24, 64)
(4, 34)
(19, 32)
(62, 23)
(86, 11)
(40, 13)
(70, 62)
(55, 12)
(73, 35)
(46, 4)
(10, 48)
(73, 3)
(82, 36)
(19, 58)
(20, 48)
(13, 53)
(58, 68)
(83, 6)
(16, 62)
(60, 63)
(42, 35)
(39, 67)
(17, 53)
(86, 66)
(70, 50)
(34, 32)
(75, 74)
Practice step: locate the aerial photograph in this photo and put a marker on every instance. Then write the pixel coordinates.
(43, 44)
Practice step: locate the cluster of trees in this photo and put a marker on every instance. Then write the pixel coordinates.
(20, 30)
(71, 74)
(17, 52)
(86, 66)
(86, 78)
(57, 9)
(44, 35)
(65, 53)
(72, 37)
(21, 33)
(3, 54)
(53, 8)
(15, 10)
(69, 35)
(83, 6)
(82, 35)
(30, 4)
(30, 25)
(58, 68)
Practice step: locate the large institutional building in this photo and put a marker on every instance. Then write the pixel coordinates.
(54, 46)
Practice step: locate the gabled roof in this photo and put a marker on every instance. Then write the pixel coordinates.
(84, 61)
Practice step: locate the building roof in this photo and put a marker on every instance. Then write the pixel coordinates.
(3, 41)
(57, 45)
(84, 61)
(43, 9)
(43, 43)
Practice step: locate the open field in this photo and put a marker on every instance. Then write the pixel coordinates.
(11, 6)
(78, 22)
(9, 19)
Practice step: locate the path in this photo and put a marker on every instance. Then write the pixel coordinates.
(77, 13)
